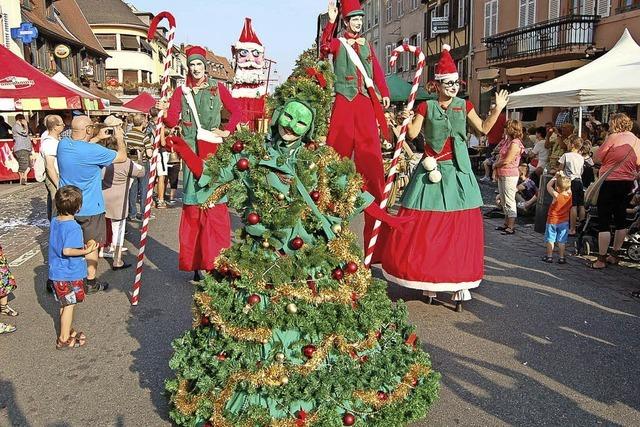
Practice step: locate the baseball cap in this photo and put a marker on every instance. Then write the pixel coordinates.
(112, 121)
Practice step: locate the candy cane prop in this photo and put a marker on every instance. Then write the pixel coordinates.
(403, 134)
(135, 291)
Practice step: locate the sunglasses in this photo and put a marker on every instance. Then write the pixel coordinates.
(451, 83)
(245, 52)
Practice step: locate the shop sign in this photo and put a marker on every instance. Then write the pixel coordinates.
(15, 83)
(62, 51)
(26, 33)
(440, 25)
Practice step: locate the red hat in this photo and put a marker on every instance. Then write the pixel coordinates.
(446, 68)
(196, 52)
(248, 39)
(351, 8)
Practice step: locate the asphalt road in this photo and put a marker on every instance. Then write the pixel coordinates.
(539, 344)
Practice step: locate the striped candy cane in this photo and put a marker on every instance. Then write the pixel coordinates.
(403, 134)
(135, 291)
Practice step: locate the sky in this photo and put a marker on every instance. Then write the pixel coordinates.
(285, 27)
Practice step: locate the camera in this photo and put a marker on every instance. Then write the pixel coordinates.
(109, 131)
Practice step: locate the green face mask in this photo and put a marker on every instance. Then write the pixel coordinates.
(297, 117)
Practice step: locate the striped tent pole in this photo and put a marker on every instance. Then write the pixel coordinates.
(401, 139)
(135, 291)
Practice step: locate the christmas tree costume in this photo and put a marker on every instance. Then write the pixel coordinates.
(355, 118)
(291, 329)
(249, 82)
(445, 248)
(203, 232)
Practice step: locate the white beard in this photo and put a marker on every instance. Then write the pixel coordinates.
(251, 76)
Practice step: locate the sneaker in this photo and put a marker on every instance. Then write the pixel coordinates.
(161, 204)
(140, 218)
(97, 287)
(171, 202)
(135, 219)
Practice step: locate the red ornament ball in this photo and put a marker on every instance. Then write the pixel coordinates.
(296, 243)
(378, 334)
(382, 395)
(253, 218)
(348, 419)
(237, 147)
(315, 195)
(223, 269)
(222, 356)
(351, 267)
(204, 320)
(253, 299)
(312, 146)
(242, 164)
(337, 274)
(308, 351)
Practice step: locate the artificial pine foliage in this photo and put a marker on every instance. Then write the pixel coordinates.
(291, 329)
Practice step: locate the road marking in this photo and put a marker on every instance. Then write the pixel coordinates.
(24, 257)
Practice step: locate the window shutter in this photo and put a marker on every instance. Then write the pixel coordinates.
(419, 40)
(453, 14)
(522, 13)
(494, 17)
(6, 31)
(554, 9)
(588, 7)
(531, 12)
(387, 54)
(462, 12)
(487, 19)
(604, 6)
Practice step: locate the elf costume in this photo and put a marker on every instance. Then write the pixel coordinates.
(446, 253)
(249, 83)
(353, 130)
(203, 232)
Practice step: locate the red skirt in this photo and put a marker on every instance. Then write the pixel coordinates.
(203, 234)
(436, 251)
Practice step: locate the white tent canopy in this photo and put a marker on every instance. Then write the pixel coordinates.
(614, 78)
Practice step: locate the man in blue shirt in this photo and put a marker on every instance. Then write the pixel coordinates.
(80, 162)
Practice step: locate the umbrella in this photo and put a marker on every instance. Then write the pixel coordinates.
(143, 102)
(24, 87)
(401, 89)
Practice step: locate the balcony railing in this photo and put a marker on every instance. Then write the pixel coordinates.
(556, 35)
(628, 7)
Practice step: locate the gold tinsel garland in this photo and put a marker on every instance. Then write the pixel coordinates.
(401, 392)
(345, 206)
(215, 197)
(258, 334)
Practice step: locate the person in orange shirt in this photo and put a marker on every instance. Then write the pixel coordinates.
(557, 230)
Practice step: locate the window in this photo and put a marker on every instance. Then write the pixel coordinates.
(527, 14)
(387, 55)
(432, 14)
(108, 41)
(604, 8)
(445, 9)
(400, 8)
(376, 12)
(462, 69)
(145, 47)
(129, 43)
(462, 19)
(26, 3)
(413, 60)
(490, 18)
(414, 4)
(583, 7)
(130, 76)
(554, 9)
(389, 11)
(146, 76)
(111, 74)
(51, 11)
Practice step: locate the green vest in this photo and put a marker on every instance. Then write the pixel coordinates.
(346, 80)
(440, 124)
(208, 106)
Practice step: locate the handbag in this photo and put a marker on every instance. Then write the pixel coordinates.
(39, 170)
(593, 191)
(8, 159)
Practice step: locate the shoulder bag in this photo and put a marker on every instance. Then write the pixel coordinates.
(593, 191)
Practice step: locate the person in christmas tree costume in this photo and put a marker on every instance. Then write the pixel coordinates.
(196, 105)
(291, 329)
(357, 113)
(446, 251)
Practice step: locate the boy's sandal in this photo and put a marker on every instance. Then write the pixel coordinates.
(6, 328)
(72, 342)
(8, 311)
(508, 232)
(562, 260)
(77, 334)
(547, 258)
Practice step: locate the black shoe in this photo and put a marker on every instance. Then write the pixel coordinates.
(49, 286)
(96, 286)
(122, 267)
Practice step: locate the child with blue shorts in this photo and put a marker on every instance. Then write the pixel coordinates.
(557, 230)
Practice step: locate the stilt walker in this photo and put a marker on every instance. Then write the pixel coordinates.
(357, 110)
(197, 103)
(441, 249)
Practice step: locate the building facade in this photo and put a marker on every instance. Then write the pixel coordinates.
(538, 40)
(10, 17)
(371, 28)
(65, 42)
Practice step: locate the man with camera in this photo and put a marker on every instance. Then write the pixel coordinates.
(80, 163)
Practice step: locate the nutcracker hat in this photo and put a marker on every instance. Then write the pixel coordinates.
(446, 69)
(351, 8)
(195, 53)
(248, 38)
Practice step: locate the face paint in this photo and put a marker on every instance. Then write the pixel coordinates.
(450, 88)
(294, 121)
(355, 24)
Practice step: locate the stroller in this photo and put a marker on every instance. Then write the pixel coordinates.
(587, 238)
